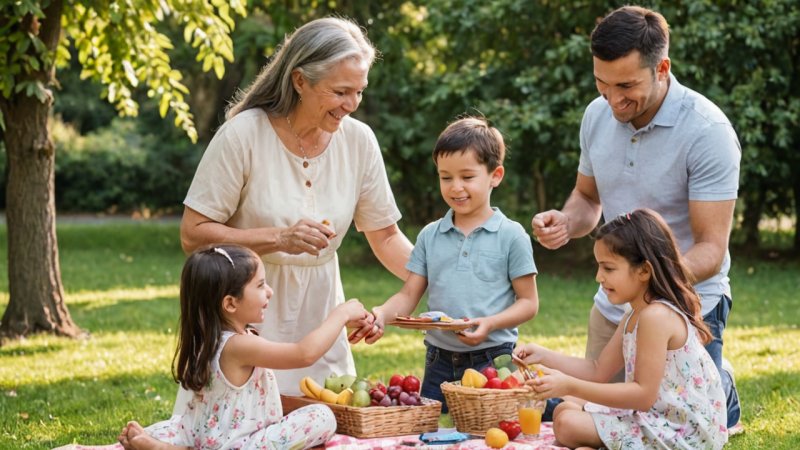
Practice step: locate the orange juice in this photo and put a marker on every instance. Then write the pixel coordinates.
(530, 420)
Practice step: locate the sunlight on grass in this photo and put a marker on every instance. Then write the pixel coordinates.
(55, 391)
(96, 299)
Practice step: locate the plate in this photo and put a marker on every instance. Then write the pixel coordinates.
(419, 323)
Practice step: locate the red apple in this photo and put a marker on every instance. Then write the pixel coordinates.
(509, 383)
(411, 384)
(489, 372)
(396, 380)
(493, 383)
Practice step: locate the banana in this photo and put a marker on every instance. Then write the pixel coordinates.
(313, 386)
(328, 396)
(344, 397)
(304, 388)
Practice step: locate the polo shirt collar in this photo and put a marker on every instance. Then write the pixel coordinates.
(492, 224)
(667, 115)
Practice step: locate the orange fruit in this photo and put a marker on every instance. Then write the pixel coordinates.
(496, 438)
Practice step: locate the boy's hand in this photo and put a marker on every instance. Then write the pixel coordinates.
(553, 384)
(376, 332)
(477, 334)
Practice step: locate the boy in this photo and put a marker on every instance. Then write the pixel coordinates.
(474, 262)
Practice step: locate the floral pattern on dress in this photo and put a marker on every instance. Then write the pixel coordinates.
(690, 411)
(247, 417)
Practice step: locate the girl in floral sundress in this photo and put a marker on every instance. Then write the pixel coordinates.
(672, 396)
(236, 404)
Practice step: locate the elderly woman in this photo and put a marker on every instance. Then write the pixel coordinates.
(287, 174)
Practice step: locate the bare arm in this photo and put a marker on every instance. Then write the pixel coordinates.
(659, 329)
(601, 370)
(578, 217)
(392, 248)
(306, 236)
(250, 350)
(711, 224)
(403, 303)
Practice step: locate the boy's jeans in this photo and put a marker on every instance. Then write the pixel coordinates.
(443, 365)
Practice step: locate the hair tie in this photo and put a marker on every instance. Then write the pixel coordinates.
(224, 253)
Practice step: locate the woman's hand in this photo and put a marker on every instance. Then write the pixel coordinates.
(306, 236)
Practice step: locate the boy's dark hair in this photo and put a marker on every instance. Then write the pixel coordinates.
(631, 28)
(209, 274)
(642, 236)
(472, 134)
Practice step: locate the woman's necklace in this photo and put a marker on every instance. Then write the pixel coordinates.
(300, 143)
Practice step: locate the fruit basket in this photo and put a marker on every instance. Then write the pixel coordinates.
(376, 421)
(476, 410)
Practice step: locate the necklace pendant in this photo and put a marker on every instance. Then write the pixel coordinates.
(305, 164)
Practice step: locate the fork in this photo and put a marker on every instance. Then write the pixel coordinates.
(526, 372)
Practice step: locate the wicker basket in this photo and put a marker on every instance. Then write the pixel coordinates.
(376, 421)
(476, 410)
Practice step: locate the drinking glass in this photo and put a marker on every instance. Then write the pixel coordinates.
(530, 416)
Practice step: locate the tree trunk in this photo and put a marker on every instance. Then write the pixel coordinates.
(36, 295)
(753, 209)
(797, 214)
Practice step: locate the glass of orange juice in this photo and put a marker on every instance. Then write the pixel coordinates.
(530, 416)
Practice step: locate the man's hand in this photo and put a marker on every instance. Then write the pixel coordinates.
(551, 228)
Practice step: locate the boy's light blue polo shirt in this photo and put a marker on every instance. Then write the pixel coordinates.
(470, 276)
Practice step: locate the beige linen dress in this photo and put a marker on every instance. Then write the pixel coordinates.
(247, 178)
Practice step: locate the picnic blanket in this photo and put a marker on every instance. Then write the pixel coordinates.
(545, 441)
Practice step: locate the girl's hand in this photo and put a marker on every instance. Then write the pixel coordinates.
(366, 330)
(354, 311)
(553, 384)
(306, 236)
(530, 353)
(478, 334)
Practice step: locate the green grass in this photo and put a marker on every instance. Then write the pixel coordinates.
(121, 286)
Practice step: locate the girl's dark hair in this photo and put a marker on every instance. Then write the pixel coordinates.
(209, 274)
(642, 236)
(631, 28)
(473, 134)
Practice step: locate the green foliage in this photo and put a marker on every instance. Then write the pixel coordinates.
(118, 46)
(122, 287)
(121, 168)
(745, 56)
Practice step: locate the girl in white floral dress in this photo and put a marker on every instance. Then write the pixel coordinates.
(236, 403)
(672, 397)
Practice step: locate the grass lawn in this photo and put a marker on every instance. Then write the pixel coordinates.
(121, 286)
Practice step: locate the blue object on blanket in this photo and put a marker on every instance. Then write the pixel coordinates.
(444, 436)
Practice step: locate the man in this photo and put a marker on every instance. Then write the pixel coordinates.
(648, 141)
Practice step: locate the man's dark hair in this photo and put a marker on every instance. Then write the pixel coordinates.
(631, 28)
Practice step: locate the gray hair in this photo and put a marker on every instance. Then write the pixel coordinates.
(313, 49)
